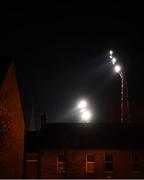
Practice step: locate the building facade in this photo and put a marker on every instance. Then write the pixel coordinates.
(92, 157)
(85, 164)
(12, 127)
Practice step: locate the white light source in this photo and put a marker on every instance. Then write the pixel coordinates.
(111, 52)
(86, 116)
(113, 61)
(117, 68)
(82, 110)
(82, 104)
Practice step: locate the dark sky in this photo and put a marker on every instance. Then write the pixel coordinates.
(61, 56)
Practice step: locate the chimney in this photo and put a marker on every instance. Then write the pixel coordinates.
(44, 120)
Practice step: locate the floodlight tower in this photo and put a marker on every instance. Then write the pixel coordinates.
(124, 90)
(84, 112)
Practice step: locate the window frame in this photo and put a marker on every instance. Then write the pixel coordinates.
(93, 163)
(60, 163)
(109, 162)
(136, 162)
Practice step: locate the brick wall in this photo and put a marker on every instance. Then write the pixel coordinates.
(77, 169)
(11, 128)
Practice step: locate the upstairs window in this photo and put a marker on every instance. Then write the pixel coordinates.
(108, 163)
(136, 163)
(60, 163)
(90, 163)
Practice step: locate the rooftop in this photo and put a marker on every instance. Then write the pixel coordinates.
(88, 136)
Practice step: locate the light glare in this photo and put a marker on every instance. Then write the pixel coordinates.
(117, 68)
(82, 110)
(82, 104)
(111, 52)
(86, 116)
(113, 61)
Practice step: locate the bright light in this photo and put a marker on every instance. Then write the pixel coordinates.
(110, 56)
(111, 52)
(82, 104)
(82, 110)
(86, 116)
(113, 60)
(117, 68)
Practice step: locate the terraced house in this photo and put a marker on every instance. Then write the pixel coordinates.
(76, 150)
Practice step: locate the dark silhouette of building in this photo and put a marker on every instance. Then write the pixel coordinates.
(44, 120)
(78, 150)
(32, 124)
(11, 127)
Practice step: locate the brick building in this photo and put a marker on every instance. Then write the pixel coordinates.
(85, 151)
(12, 126)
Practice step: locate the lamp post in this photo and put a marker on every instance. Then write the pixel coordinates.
(124, 90)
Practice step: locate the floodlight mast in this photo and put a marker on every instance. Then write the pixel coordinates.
(124, 91)
(125, 115)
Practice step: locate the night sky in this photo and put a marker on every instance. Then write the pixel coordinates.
(61, 56)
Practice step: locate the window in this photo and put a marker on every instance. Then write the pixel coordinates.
(90, 163)
(136, 163)
(60, 163)
(108, 162)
